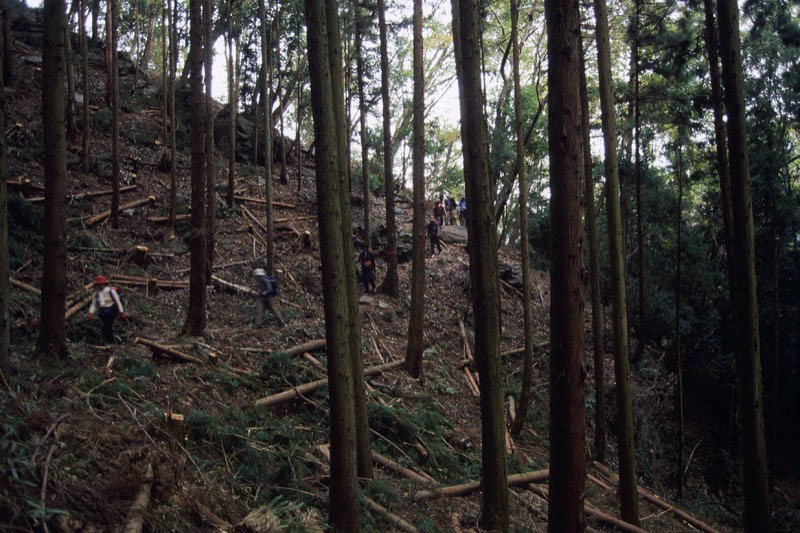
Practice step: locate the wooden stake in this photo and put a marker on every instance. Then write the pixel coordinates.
(536, 476)
(158, 348)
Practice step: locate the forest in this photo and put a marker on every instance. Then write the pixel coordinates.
(374, 265)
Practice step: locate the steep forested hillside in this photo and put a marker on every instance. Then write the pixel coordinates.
(208, 414)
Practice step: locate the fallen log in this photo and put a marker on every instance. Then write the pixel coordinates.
(294, 219)
(294, 392)
(91, 221)
(398, 522)
(467, 351)
(473, 387)
(252, 217)
(402, 470)
(310, 346)
(77, 307)
(608, 519)
(24, 286)
(25, 183)
(158, 348)
(233, 288)
(164, 220)
(652, 498)
(145, 282)
(536, 476)
(136, 514)
(90, 194)
(250, 199)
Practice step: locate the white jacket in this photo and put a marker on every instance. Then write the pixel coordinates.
(104, 298)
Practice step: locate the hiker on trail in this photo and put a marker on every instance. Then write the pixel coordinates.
(367, 261)
(106, 301)
(267, 296)
(451, 209)
(434, 235)
(462, 211)
(438, 212)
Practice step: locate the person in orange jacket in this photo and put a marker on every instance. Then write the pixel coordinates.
(106, 301)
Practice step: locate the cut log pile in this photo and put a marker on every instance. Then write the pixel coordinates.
(96, 219)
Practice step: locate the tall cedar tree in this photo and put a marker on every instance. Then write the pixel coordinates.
(416, 320)
(52, 334)
(8, 53)
(361, 22)
(363, 449)
(72, 129)
(4, 268)
(627, 465)
(527, 374)
(637, 114)
(678, 354)
(299, 110)
(567, 385)
(343, 493)
(745, 304)
(165, 93)
(196, 318)
(483, 273)
(590, 217)
(115, 116)
(109, 55)
(266, 101)
(391, 282)
(232, 106)
(208, 50)
(172, 20)
(87, 124)
(283, 178)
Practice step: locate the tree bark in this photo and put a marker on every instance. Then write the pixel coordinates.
(343, 493)
(483, 273)
(109, 55)
(590, 215)
(747, 347)
(565, 141)
(627, 465)
(196, 318)
(642, 332)
(266, 99)
(360, 22)
(416, 320)
(363, 449)
(527, 374)
(8, 57)
(391, 283)
(148, 44)
(232, 106)
(210, 221)
(52, 335)
(678, 355)
(87, 124)
(72, 129)
(115, 117)
(282, 178)
(5, 342)
(172, 19)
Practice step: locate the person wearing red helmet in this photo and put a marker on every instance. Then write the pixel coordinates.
(106, 301)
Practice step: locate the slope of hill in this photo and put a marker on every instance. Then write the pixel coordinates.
(85, 438)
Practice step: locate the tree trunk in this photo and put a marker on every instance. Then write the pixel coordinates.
(196, 318)
(5, 342)
(590, 216)
(135, 51)
(87, 118)
(678, 355)
(115, 117)
(8, 56)
(745, 313)
(642, 333)
(565, 141)
(527, 374)
(148, 44)
(299, 110)
(360, 22)
(95, 7)
(363, 450)
(165, 90)
(210, 222)
(416, 320)
(391, 282)
(172, 19)
(266, 99)
(627, 465)
(283, 178)
(232, 106)
(72, 129)
(343, 493)
(483, 273)
(52, 335)
(109, 55)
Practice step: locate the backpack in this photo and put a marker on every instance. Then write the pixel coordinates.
(269, 287)
(366, 260)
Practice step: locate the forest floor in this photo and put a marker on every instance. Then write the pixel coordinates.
(80, 436)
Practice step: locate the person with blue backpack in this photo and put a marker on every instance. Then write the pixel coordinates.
(267, 296)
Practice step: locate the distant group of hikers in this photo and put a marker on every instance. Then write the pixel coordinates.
(107, 305)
